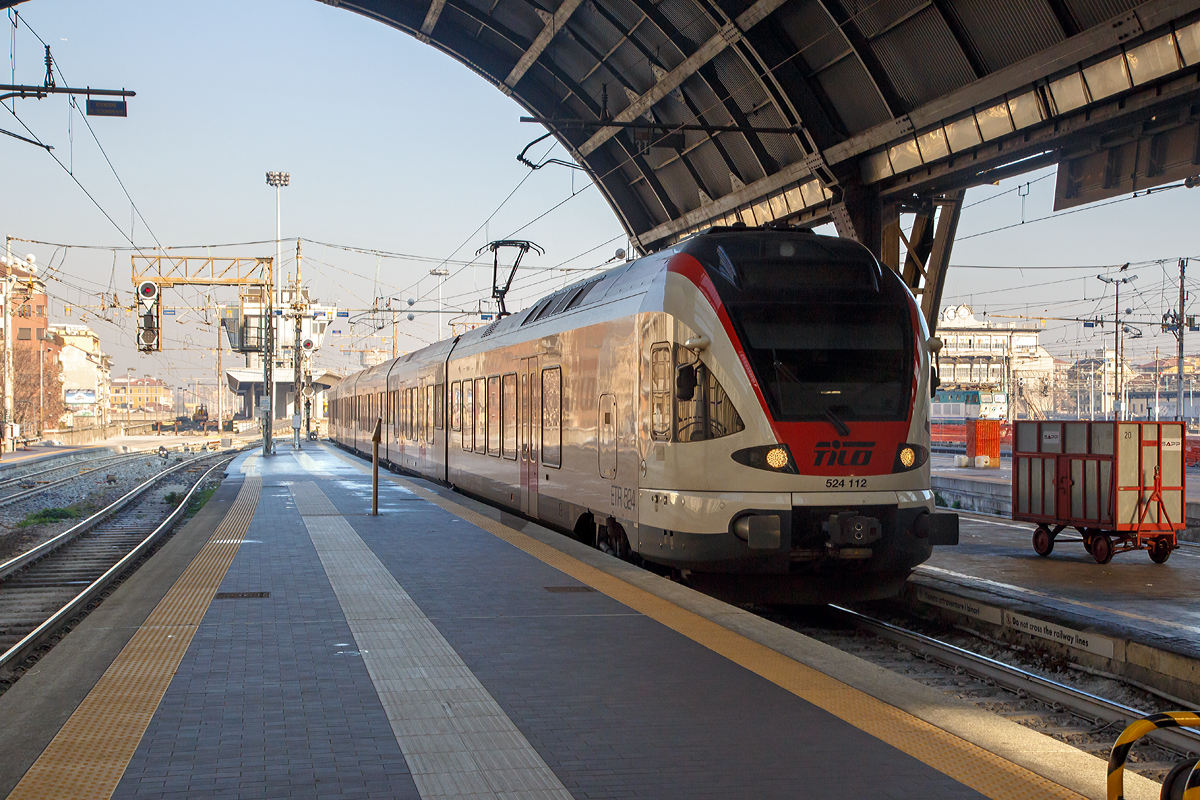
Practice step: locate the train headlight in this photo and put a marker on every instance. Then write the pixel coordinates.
(909, 456)
(771, 457)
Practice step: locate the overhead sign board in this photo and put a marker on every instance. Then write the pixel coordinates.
(106, 108)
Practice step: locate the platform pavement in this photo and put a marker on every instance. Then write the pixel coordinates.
(479, 672)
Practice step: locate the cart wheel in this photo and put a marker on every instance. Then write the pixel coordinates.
(1043, 542)
(1160, 551)
(1102, 548)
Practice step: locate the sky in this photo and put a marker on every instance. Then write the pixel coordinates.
(395, 148)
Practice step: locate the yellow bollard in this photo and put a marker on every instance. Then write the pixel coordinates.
(1125, 742)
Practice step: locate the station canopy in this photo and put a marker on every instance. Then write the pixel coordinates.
(816, 110)
(691, 113)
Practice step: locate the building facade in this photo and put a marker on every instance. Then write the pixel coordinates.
(86, 374)
(146, 395)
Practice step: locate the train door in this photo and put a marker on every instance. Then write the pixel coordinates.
(530, 425)
(607, 425)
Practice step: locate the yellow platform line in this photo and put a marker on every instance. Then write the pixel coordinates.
(971, 765)
(92, 750)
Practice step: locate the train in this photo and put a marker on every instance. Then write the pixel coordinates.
(747, 410)
(960, 404)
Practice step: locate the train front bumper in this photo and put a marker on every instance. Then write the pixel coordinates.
(774, 532)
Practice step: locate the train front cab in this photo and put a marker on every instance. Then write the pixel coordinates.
(804, 448)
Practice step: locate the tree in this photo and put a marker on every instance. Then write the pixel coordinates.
(32, 406)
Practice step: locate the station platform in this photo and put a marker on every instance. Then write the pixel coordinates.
(286, 643)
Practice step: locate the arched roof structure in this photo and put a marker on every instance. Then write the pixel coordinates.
(689, 113)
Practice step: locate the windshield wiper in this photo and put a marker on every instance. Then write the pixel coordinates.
(836, 421)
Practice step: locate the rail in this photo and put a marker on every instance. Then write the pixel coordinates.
(47, 628)
(91, 467)
(1180, 740)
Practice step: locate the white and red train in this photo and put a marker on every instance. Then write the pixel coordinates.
(749, 407)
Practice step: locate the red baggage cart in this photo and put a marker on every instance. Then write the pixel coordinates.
(1122, 485)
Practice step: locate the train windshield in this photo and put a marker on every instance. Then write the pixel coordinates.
(853, 361)
(827, 331)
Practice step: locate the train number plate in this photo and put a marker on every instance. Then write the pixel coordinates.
(846, 483)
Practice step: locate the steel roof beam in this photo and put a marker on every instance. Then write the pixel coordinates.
(652, 59)
(727, 35)
(1092, 42)
(552, 27)
(766, 162)
(765, 187)
(1066, 18)
(669, 31)
(431, 18)
(962, 37)
(861, 47)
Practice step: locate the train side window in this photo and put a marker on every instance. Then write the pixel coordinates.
(710, 414)
(660, 392)
(508, 405)
(552, 417)
(422, 413)
(439, 399)
(468, 416)
(429, 413)
(494, 416)
(412, 413)
(456, 406)
(481, 415)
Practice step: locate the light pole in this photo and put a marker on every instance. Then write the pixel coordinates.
(276, 179)
(440, 274)
(8, 370)
(1116, 282)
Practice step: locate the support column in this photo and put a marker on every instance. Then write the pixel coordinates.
(939, 255)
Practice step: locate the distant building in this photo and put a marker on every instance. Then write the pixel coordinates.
(86, 374)
(30, 308)
(999, 356)
(140, 395)
(37, 385)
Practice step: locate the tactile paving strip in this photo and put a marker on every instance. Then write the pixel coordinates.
(457, 740)
(957, 758)
(88, 756)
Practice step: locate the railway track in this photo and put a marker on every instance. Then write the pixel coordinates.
(1082, 719)
(14, 490)
(46, 590)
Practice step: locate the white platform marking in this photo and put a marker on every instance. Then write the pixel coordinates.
(457, 740)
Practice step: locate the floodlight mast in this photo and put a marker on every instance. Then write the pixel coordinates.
(522, 247)
(1119, 407)
(276, 179)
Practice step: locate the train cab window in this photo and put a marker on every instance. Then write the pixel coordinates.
(508, 413)
(468, 416)
(709, 414)
(439, 398)
(481, 415)
(660, 392)
(552, 417)
(456, 406)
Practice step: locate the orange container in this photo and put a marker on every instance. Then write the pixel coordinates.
(983, 439)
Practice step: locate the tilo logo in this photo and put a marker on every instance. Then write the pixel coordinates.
(844, 454)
